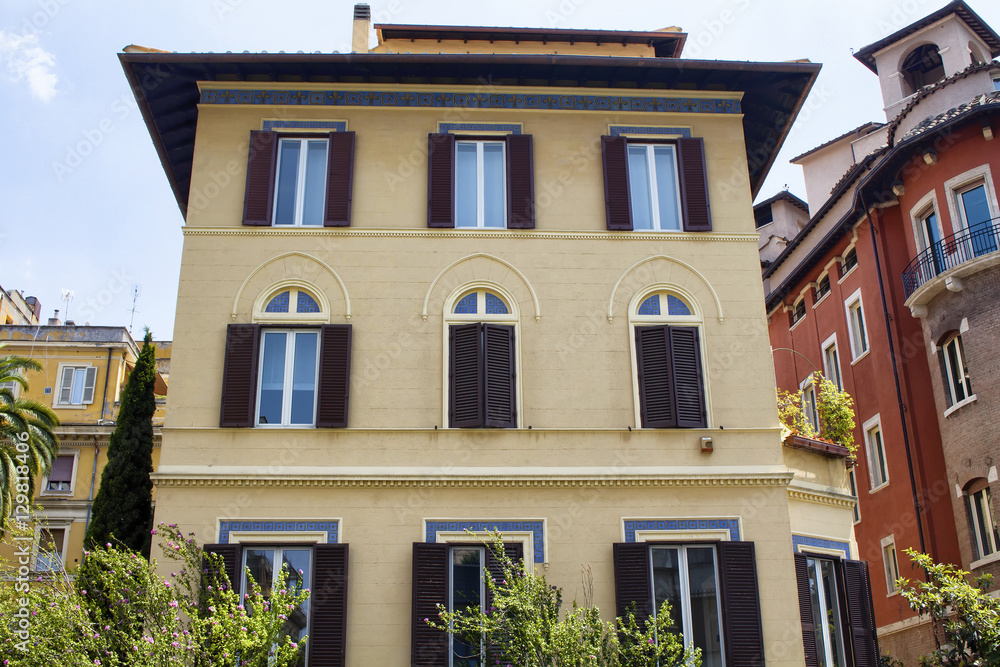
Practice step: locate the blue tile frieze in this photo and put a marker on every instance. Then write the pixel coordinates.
(331, 528)
(807, 541)
(618, 130)
(331, 125)
(668, 525)
(536, 528)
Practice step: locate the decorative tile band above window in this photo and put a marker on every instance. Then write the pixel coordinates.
(377, 98)
(534, 526)
(634, 526)
(324, 125)
(492, 128)
(331, 528)
(640, 131)
(800, 541)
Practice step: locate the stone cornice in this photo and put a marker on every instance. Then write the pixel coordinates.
(821, 498)
(469, 234)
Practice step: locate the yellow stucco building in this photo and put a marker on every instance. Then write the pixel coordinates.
(84, 370)
(490, 278)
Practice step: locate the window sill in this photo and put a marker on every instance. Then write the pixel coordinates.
(958, 406)
(57, 494)
(286, 427)
(796, 323)
(879, 487)
(892, 594)
(844, 277)
(822, 299)
(860, 356)
(992, 558)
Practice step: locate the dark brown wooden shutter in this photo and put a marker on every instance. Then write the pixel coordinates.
(689, 384)
(742, 631)
(806, 611)
(858, 594)
(656, 387)
(520, 182)
(231, 559)
(334, 376)
(440, 180)
(465, 376)
(258, 201)
(499, 376)
(239, 376)
(694, 185)
(633, 580)
(339, 179)
(428, 647)
(617, 198)
(328, 623)
(515, 552)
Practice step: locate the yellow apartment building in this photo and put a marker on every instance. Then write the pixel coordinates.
(15, 308)
(491, 278)
(84, 372)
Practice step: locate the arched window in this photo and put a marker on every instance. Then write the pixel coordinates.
(481, 388)
(670, 387)
(921, 67)
(292, 300)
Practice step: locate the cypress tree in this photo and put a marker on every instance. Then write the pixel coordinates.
(123, 508)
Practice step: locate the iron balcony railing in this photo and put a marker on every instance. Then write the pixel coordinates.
(980, 239)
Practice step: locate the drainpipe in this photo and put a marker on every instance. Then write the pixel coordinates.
(895, 377)
(107, 376)
(93, 480)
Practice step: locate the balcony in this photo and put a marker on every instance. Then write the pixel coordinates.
(951, 253)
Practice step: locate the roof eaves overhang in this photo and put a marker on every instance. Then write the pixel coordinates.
(166, 87)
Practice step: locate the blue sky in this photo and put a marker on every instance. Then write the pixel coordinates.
(86, 206)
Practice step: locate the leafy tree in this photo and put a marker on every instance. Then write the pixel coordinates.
(119, 612)
(22, 457)
(123, 508)
(525, 625)
(966, 618)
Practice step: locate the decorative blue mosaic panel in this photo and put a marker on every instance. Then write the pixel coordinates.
(536, 528)
(618, 130)
(468, 305)
(479, 127)
(632, 525)
(376, 98)
(676, 307)
(279, 304)
(306, 304)
(806, 541)
(331, 528)
(332, 125)
(495, 305)
(650, 306)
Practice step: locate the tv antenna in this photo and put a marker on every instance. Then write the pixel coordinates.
(67, 296)
(136, 293)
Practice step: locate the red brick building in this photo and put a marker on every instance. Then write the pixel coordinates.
(892, 289)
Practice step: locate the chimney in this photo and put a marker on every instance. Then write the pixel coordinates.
(54, 321)
(362, 22)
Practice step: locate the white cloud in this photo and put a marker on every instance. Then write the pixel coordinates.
(24, 59)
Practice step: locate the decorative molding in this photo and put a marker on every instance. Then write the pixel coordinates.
(246, 281)
(331, 528)
(534, 526)
(498, 128)
(534, 297)
(821, 498)
(621, 279)
(637, 130)
(397, 99)
(632, 526)
(329, 125)
(799, 541)
(495, 234)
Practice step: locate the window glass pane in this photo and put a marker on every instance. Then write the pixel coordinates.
(304, 378)
(955, 370)
(704, 605)
(79, 379)
(880, 455)
(667, 583)
(298, 562)
(288, 169)
(977, 210)
(982, 512)
(638, 180)
(260, 562)
(666, 187)
(466, 199)
(494, 201)
(315, 197)
(833, 622)
(272, 378)
(50, 546)
(466, 589)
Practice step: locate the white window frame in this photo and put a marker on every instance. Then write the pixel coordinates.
(451, 592)
(919, 212)
(57, 393)
(286, 396)
(44, 489)
(686, 621)
(13, 386)
(260, 316)
(816, 580)
(481, 182)
(511, 318)
(862, 326)
(890, 565)
(843, 263)
(852, 478)
(996, 82)
(989, 539)
(795, 309)
(819, 298)
(838, 378)
(654, 193)
(810, 407)
(65, 527)
(969, 180)
(875, 453)
(278, 547)
(300, 181)
(955, 377)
